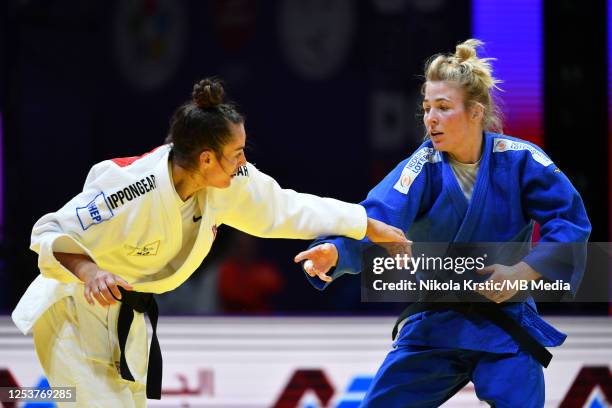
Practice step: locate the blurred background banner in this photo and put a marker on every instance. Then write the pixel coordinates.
(331, 92)
(306, 362)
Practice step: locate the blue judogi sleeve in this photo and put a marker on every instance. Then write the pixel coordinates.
(396, 200)
(550, 199)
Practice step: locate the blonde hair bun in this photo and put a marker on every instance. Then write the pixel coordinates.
(467, 50)
(473, 74)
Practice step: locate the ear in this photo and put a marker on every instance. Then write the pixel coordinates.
(477, 112)
(206, 158)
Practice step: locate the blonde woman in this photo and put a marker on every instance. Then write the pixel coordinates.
(466, 183)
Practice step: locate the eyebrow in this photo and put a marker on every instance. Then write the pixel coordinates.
(438, 100)
(239, 148)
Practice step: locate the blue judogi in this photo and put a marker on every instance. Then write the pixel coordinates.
(516, 186)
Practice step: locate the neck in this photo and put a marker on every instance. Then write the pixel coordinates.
(470, 152)
(186, 183)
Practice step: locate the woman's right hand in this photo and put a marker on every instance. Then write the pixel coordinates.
(99, 284)
(102, 286)
(319, 260)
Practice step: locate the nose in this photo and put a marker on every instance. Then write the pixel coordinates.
(242, 160)
(431, 119)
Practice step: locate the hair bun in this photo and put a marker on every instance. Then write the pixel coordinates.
(467, 50)
(207, 93)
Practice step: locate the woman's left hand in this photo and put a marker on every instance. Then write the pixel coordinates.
(501, 275)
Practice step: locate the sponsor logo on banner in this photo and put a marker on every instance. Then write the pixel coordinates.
(578, 377)
(314, 385)
(316, 36)
(234, 22)
(302, 382)
(389, 125)
(95, 212)
(591, 388)
(149, 40)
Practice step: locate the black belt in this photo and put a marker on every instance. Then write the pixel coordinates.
(142, 303)
(492, 312)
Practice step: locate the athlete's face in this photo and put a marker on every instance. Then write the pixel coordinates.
(219, 169)
(451, 127)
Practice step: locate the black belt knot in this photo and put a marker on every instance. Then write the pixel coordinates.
(142, 303)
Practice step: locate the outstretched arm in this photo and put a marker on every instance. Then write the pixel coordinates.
(396, 201)
(257, 205)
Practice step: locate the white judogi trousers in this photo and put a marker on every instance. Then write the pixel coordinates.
(77, 345)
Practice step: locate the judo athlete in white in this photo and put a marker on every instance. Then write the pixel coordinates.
(142, 225)
(466, 184)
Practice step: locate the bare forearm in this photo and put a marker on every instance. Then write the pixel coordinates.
(80, 265)
(100, 285)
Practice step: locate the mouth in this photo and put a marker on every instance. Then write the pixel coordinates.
(435, 133)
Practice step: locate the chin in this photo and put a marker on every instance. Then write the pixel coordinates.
(227, 183)
(222, 184)
(439, 146)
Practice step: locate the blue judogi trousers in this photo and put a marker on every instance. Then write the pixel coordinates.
(422, 376)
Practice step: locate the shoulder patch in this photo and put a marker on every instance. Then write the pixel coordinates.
(503, 145)
(414, 167)
(95, 212)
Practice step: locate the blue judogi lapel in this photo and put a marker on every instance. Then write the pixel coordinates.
(469, 212)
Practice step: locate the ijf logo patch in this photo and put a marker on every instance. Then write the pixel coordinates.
(95, 212)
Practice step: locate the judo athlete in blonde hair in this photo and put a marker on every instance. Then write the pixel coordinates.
(464, 184)
(142, 225)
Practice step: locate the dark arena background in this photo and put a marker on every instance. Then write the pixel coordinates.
(331, 94)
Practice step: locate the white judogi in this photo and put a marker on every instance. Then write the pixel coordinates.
(127, 219)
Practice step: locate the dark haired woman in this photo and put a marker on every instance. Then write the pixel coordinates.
(142, 225)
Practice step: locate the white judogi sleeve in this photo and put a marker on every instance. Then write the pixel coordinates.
(257, 205)
(86, 225)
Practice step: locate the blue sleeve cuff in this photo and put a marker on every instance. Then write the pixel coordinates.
(559, 261)
(349, 260)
